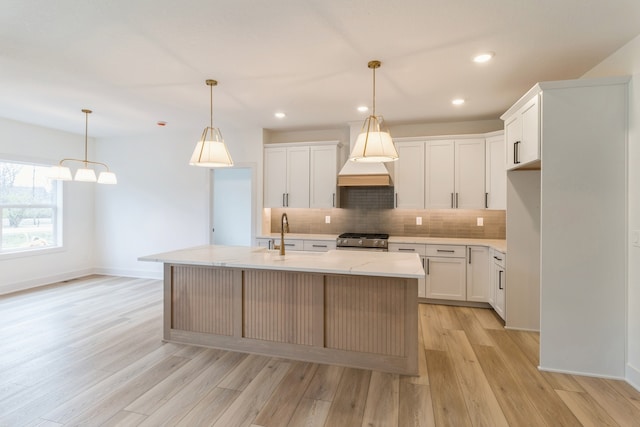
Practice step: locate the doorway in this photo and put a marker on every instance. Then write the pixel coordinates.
(232, 206)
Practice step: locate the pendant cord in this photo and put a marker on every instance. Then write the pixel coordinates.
(211, 103)
(86, 132)
(374, 93)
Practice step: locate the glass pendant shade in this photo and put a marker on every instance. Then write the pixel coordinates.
(373, 145)
(61, 173)
(107, 178)
(85, 175)
(210, 151)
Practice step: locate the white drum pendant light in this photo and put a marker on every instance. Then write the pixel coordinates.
(373, 145)
(210, 151)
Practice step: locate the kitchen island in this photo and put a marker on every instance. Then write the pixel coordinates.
(357, 309)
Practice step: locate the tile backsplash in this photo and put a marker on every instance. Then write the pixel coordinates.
(395, 222)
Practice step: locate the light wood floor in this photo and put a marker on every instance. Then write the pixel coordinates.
(89, 352)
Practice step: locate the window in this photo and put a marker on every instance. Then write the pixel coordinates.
(30, 208)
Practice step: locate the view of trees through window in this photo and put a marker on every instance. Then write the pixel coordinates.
(29, 207)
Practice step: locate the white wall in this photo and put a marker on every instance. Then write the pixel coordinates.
(25, 142)
(160, 203)
(626, 61)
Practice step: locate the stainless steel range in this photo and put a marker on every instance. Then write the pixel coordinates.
(363, 241)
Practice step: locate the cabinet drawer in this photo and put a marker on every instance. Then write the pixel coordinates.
(447, 251)
(499, 258)
(290, 245)
(408, 248)
(319, 245)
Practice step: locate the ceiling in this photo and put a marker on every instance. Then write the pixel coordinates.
(135, 63)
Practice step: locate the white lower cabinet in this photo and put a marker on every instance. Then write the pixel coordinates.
(498, 283)
(318, 245)
(297, 244)
(416, 248)
(478, 274)
(446, 278)
(446, 272)
(265, 242)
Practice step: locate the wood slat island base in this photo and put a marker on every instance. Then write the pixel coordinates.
(360, 321)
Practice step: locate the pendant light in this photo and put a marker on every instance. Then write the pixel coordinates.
(210, 151)
(373, 145)
(84, 174)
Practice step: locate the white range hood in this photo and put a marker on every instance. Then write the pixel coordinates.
(362, 174)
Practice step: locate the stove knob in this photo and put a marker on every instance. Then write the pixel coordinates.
(360, 242)
(375, 243)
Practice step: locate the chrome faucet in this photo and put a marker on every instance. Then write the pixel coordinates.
(284, 228)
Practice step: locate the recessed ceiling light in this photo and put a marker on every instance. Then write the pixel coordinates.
(483, 57)
(458, 101)
(280, 115)
(363, 108)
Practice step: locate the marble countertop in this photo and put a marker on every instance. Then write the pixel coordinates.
(499, 244)
(362, 263)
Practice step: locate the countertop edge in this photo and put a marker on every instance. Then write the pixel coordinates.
(298, 261)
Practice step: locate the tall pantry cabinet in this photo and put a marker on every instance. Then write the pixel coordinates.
(566, 222)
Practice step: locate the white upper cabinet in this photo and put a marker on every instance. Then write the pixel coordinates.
(409, 175)
(440, 174)
(324, 176)
(297, 195)
(300, 175)
(275, 177)
(495, 173)
(470, 173)
(455, 174)
(522, 129)
(286, 177)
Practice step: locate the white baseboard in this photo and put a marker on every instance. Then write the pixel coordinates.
(43, 281)
(521, 329)
(632, 375)
(48, 280)
(582, 374)
(139, 274)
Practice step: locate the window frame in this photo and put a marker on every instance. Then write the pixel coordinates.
(56, 206)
